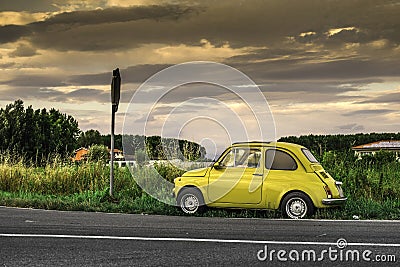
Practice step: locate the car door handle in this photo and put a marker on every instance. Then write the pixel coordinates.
(258, 174)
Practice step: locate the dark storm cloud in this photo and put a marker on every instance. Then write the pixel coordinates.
(294, 72)
(132, 74)
(97, 29)
(28, 93)
(11, 33)
(28, 5)
(92, 79)
(113, 28)
(38, 81)
(114, 15)
(307, 91)
(256, 23)
(79, 95)
(24, 51)
(346, 69)
(351, 35)
(296, 64)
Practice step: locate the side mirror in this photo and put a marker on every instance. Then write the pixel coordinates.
(217, 166)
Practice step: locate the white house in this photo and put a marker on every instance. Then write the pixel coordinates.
(372, 148)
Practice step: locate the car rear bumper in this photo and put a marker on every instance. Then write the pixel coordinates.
(334, 201)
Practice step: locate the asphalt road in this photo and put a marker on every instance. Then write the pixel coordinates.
(52, 238)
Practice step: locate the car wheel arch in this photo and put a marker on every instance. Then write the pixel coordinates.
(294, 191)
(296, 204)
(192, 187)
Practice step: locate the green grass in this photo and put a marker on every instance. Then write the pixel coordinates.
(373, 189)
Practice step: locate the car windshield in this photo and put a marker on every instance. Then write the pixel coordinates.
(309, 155)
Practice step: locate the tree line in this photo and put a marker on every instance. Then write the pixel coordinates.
(37, 135)
(154, 147)
(319, 144)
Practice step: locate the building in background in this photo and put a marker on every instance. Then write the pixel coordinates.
(372, 148)
(118, 154)
(80, 154)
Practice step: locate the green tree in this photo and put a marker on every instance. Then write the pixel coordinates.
(98, 153)
(35, 135)
(89, 138)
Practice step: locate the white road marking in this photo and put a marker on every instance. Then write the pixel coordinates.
(178, 239)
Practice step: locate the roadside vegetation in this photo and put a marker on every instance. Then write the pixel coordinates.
(372, 185)
(36, 169)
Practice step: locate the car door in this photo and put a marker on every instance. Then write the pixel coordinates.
(238, 178)
(281, 170)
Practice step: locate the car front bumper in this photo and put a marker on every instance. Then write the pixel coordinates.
(334, 201)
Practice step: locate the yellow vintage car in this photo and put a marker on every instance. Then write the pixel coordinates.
(260, 175)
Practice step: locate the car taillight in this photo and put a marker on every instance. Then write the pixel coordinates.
(328, 191)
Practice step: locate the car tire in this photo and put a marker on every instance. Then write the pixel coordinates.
(297, 205)
(191, 201)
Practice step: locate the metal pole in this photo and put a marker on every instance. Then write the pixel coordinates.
(112, 151)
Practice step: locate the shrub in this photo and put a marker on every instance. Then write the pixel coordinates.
(168, 171)
(98, 153)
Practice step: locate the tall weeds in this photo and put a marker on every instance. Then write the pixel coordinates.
(373, 187)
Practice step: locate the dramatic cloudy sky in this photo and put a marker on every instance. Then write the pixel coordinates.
(324, 66)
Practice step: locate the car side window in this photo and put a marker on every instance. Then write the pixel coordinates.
(253, 160)
(229, 159)
(242, 158)
(279, 160)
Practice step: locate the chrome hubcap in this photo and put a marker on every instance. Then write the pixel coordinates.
(190, 204)
(296, 208)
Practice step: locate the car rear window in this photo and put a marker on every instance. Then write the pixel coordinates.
(309, 155)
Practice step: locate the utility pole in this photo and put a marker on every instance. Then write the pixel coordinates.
(115, 96)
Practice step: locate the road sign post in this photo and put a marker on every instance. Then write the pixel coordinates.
(115, 96)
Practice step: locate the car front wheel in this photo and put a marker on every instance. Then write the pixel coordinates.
(297, 205)
(191, 201)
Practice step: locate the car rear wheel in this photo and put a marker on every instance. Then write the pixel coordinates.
(297, 205)
(191, 201)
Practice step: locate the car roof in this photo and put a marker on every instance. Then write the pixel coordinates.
(269, 144)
